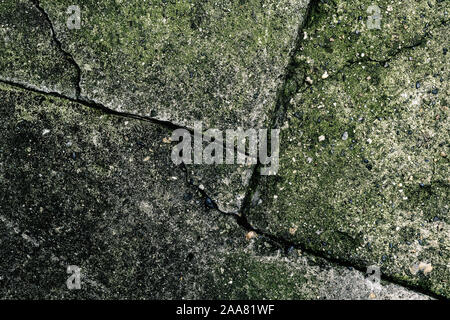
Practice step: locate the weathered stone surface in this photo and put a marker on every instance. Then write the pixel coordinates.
(226, 185)
(99, 192)
(82, 188)
(183, 61)
(305, 277)
(32, 57)
(364, 168)
(344, 33)
(28, 54)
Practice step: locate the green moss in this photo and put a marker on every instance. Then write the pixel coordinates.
(183, 61)
(247, 277)
(362, 177)
(338, 32)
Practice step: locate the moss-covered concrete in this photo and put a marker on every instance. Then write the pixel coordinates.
(182, 61)
(81, 188)
(364, 174)
(343, 32)
(246, 275)
(364, 163)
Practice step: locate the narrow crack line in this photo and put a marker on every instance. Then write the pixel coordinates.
(80, 99)
(97, 106)
(391, 56)
(280, 111)
(350, 63)
(283, 99)
(59, 45)
(94, 105)
(78, 96)
(282, 102)
(286, 245)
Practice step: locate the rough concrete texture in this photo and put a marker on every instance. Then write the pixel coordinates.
(226, 185)
(86, 177)
(183, 61)
(364, 169)
(97, 191)
(306, 277)
(29, 55)
(37, 57)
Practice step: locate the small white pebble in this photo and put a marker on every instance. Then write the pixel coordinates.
(425, 267)
(345, 136)
(325, 75)
(321, 138)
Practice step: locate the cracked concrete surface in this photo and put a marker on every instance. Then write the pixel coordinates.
(86, 175)
(100, 192)
(364, 169)
(182, 61)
